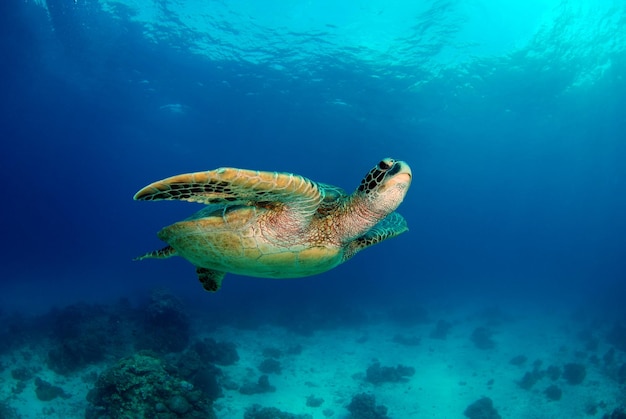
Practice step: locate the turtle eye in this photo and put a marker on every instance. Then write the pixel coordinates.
(385, 164)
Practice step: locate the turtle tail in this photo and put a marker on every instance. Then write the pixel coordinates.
(166, 252)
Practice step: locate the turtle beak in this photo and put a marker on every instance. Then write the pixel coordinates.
(397, 181)
(402, 174)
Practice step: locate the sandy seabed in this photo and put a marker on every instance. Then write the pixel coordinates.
(451, 371)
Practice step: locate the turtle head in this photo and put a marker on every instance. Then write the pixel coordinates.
(385, 185)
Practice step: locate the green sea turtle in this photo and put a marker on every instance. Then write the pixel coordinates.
(277, 225)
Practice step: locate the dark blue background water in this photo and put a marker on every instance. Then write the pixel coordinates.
(518, 155)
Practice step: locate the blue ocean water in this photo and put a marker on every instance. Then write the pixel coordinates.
(511, 115)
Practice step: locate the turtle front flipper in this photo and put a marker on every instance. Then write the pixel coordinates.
(166, 252)
(210, 279)
(391, 226)
(230, 186)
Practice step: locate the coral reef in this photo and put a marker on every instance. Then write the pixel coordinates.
(80, 335)
(313, 401)
(574, 373)
(609, 357)
(617, 336)
(530, 378)
(8, 412)
(220, 353)
(22, 374)
(261, 386)
(272, 352)
(17, 330)
(377, 375)
(270, 366)
(84, 334)
(197, 365)
(257, 412)
(143, 385)
(203, 375)
(18, 388)
(587, 337)
(46, 391)
(407, 340)
(494, 316)
(481, 336)
(165, 326)
(518, 360)
(618, 413)
(621, 374)
(363, 406)
(441, 330)
(592, 407)
(553, 393)
(482, 409)
(553, 372)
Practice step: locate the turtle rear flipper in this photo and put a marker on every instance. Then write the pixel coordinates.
(391, 226)
(210, 279)
(166, 252)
